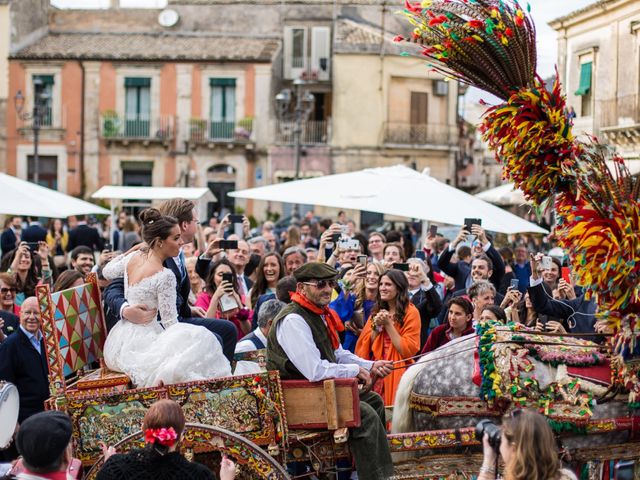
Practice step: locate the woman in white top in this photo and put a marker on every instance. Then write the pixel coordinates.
(165, 351)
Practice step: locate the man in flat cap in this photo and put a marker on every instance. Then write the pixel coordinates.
(43, 442)
(304, 344)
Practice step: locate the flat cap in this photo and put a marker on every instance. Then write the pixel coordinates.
(315, 271)
(43, 438)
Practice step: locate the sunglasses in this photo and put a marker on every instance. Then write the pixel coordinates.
(322, 283)
(7, 290)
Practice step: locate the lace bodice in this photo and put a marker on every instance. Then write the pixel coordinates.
(155, 291)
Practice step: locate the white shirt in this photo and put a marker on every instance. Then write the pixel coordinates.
(247, 345)
(296, 339)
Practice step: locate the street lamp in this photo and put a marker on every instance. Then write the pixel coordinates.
(40, 102)
(303, 107)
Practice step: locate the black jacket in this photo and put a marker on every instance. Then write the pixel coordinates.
(11, 322)
(22, 365)
(8, 241)
(461, 270)
(34, 233)
(84, 235)
(429, 304)
(113, 296)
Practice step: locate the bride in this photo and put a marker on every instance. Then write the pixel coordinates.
(165, 351)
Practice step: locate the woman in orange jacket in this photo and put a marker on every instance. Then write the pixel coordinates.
(392, 331)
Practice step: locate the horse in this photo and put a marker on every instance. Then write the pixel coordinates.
(447, 373)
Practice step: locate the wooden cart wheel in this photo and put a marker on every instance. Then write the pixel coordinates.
(252, 462)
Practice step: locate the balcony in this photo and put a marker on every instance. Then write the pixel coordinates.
(620, 120)
(420, 135)
(211, 132)
(52, 126)
(136, 128)
(316, 132)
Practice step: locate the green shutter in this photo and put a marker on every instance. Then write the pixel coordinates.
(222, 82)
(585, 79)
(46, 79)
(137, 82)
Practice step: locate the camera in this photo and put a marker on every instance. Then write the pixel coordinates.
(492, 431)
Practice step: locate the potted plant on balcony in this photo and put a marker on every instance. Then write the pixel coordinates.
(244, 128)
(110, 123)
(197, 129)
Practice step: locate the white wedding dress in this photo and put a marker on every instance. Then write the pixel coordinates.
(165, 351)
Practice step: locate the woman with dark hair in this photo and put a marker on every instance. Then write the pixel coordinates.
(161, 352)
(8, 291)
(221, 298)
(392, 332)
(528, 448)
(458, 324)
(423, 292)
(269, 271)
(31, 268)
(493, 312)
(68, 279)
(163, 426)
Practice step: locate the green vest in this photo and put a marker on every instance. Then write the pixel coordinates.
(277, 358)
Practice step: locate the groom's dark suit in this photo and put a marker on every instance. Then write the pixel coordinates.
(225, 331)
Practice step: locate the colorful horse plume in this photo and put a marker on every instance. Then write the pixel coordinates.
(490, 44)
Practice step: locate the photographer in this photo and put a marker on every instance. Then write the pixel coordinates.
(527, 446)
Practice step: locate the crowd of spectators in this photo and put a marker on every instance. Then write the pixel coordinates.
(397, 296)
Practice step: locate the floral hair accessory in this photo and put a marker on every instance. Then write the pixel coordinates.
(162, 436)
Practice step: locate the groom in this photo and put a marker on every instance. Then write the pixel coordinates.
(116, 306)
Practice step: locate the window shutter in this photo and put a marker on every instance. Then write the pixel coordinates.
(137, 82)
(295, 52)
(45, 79)
(585, 79)
(321, 51)
(419, 108)
(222, 82)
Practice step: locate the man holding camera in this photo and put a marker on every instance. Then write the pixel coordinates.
(304, 344)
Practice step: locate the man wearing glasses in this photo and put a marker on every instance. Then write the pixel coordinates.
(23, 361)
(304, 344)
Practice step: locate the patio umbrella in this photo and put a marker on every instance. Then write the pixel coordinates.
(19, 197)
(396, 190)
(505, 195)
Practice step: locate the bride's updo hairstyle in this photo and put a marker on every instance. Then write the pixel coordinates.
(155, 226)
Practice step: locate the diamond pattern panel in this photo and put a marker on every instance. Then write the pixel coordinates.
(78, 322)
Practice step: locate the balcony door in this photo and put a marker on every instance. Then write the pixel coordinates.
(419, 117)
(46, 118)
(137, 107)
(47, 170)
(223, 108)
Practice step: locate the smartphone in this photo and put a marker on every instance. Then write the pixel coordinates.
(362, 260)
(421, 255)
(228, 244)
(546, 262)
(403, 267)
(514, 284)
(33, 246)
(335, 237)
(236, 218)
(566, 274)
(471, 221)
(433, 230)
(108, 247)
(227, 277)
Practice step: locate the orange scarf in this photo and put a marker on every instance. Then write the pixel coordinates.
(334, 324)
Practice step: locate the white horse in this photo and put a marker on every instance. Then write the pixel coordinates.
(448, 372)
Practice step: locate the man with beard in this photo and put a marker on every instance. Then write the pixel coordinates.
(82, 260)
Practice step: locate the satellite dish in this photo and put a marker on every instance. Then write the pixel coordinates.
(168, 17)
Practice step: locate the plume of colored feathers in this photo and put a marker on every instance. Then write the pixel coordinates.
(490, 44)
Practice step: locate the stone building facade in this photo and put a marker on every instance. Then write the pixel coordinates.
(598, 62)
(187, 96)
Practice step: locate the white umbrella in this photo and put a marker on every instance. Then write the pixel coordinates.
(504, 195)
(19, 197)
(396, 190)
